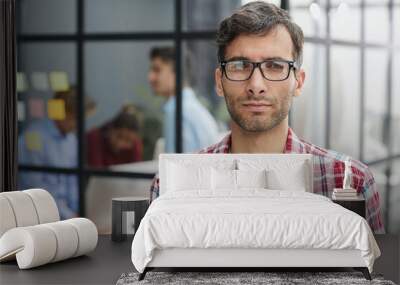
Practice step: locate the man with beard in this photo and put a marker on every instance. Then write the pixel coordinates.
(260, 55)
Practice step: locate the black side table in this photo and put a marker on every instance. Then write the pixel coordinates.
(356, 205)
(123, 211)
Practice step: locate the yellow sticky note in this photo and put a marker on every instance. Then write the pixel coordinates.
(22, 82)
(59, 81)
(33, 141)
(56, 109)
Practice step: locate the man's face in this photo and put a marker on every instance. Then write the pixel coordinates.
(121, 139)
(162, 77)
(258, 105)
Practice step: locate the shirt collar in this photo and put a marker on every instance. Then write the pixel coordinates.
(187, 95)
(293, 143)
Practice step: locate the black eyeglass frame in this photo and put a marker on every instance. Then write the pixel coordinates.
(292, 65)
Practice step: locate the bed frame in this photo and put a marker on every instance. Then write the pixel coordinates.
(242, 259)
(246, 258)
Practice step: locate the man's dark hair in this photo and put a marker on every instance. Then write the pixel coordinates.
(70, 98)
(258, 18)
(166, 53)
(127, 118)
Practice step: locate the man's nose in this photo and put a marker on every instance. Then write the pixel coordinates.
(257, 83)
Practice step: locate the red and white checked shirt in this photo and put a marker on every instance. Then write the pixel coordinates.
(328, 174)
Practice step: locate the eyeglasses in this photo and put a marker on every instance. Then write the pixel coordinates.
(272, 70)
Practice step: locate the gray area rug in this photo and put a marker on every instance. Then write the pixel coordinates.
(229, 278)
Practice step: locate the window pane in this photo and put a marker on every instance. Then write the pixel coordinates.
(396, 24)
(124, 101)
(311, 17)
(335, 3)
(389, 197)
(345, 20)
(375, 104)
(371, 3)
(300, 3)
(46, 16)
(47, 57)
(377, 24)
(128, 16)
(101, 190)
(63, 188)
(47, 105)
(395, 132)
(308, 111)
(206, 14)
(394, 210)
(378, 171)
(205, 117)
(345, 100)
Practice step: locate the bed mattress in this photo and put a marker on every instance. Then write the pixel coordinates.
(250, 219)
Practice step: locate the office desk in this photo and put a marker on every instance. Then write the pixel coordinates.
(111, 259)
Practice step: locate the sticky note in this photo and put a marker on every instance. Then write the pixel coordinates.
(40, 81)
(33, 141)
(36, 107)
(21, 110)
(56, 109)
(22, 82)
(59, 81)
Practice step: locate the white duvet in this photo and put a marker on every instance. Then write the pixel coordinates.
(252, 218)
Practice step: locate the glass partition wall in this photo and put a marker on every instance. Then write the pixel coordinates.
(84, 70)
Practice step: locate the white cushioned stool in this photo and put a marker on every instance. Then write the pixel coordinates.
(31, 232)
(26, 208)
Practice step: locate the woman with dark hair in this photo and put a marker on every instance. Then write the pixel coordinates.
(117, 141)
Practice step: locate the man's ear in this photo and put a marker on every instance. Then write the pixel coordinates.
(300, 78)
(218, 82)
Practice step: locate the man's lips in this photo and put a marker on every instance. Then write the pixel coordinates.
(256, 106)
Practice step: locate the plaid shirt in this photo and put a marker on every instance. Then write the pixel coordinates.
(328, 174)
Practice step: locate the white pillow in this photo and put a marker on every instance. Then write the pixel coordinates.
(223, 179)
(226, 179)
(293, 179)
(183, 177)
(251, 178)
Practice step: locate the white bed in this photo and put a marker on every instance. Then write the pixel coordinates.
(220, 222)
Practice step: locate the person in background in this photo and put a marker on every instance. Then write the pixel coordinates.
(199, 128)
(115, 142)
(53, 143)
